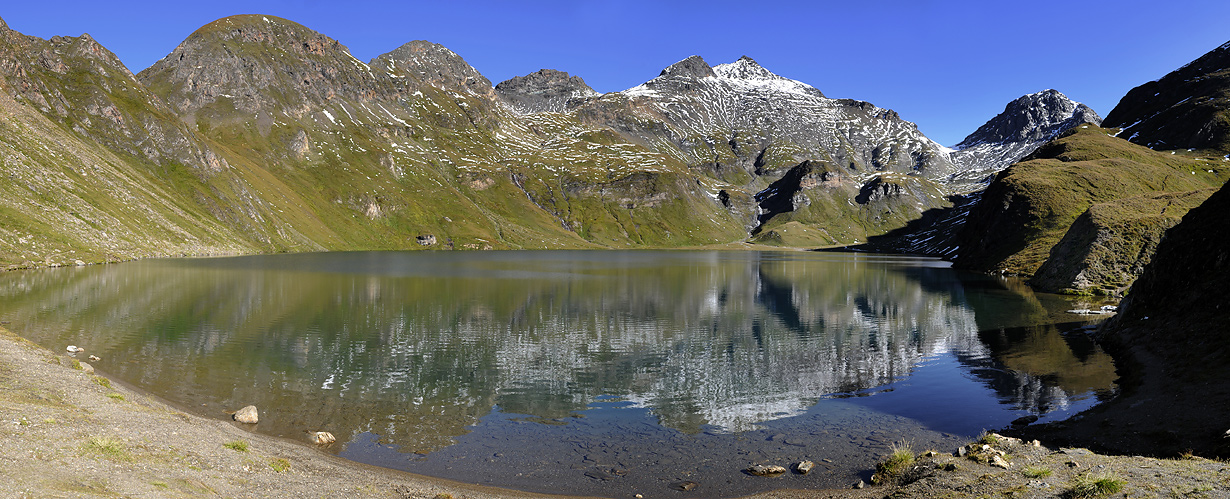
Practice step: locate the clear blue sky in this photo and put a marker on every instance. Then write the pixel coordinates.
(946, 65)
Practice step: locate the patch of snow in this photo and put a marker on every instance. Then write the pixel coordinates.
(641, 90)
(330, 116)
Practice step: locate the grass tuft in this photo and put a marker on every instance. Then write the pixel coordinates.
(116, 396)
(1091, 486)
(279, 465)
(108, 447)
(103, 382)
(237, 446)
(899, 460)
(988, 438)
(1036, 472)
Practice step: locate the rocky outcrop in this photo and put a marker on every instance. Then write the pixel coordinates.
(1025, 124)
(545, 90)
(1188, 108)
(433, 64)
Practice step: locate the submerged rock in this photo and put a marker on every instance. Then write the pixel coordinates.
(766, 470)
(804, 467)
(1025, 420)
(321, 437)
(247, 415)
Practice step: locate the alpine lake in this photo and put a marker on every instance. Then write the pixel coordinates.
(605, 373)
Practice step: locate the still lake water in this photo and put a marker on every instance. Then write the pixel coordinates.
(585, 372)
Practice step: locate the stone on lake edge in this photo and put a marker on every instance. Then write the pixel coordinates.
(247, 415)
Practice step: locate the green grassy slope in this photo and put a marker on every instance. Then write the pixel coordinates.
(1031, 205)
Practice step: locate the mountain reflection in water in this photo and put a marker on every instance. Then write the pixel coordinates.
(418, 347)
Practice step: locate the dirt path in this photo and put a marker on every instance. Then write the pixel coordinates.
(67, 433)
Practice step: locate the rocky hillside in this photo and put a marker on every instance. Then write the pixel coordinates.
(761, 133)
(546, 90)
(1025, 125)
(1188, 108)
(1030, 206)
(95, 165)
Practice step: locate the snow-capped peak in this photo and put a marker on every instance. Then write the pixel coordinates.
(746, 73)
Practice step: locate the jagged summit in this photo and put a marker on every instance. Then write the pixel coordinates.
(1188, 108)
(545, 90)
(1037, 116)
(1025, 124)
(692, 67)
(433, 64)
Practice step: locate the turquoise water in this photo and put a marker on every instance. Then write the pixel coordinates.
(603, 372)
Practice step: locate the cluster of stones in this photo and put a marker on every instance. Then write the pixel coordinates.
(249, 415)
(989, 455)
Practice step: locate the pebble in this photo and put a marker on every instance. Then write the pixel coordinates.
(805, 467)
(74, 349)
(685, 486)
(860, 485)
(94, 358)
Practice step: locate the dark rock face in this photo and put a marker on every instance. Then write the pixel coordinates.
(1026, 123)
(545, 90)
(1030, 118)
(692, 67)
(1188, 108)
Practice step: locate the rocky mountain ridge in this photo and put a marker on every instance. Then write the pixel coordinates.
(1025, 124)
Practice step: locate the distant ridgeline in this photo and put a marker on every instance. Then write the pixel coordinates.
(257, 134)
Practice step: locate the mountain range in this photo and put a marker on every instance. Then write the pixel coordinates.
(257, 134)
